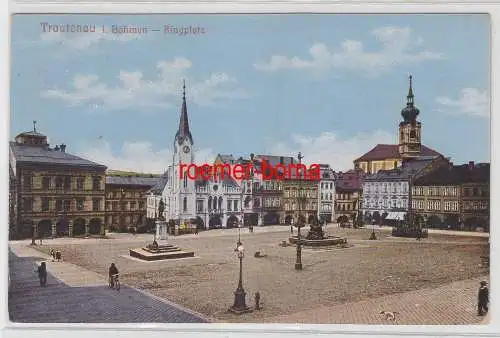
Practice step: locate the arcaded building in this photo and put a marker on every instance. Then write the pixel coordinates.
(53, 193)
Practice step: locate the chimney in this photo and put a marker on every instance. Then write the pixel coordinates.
(63, 148)
(471, 164)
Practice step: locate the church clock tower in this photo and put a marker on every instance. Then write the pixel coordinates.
(410, 136)
(183, 188)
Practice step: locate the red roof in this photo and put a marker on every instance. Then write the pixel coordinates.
(349, 181)
(383, 151)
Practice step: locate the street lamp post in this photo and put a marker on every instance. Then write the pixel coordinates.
(239, 306)
(298, 262)
(373, 235)
(33, 235)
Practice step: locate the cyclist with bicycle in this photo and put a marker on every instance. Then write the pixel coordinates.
(113, 272)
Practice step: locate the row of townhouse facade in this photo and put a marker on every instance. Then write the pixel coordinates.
(455, 196)
(444, 195)
(252, 201)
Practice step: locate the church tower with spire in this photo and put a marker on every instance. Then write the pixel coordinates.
(182, 190)
(410, 137)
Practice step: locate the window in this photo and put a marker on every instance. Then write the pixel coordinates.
(79, 183)
(28, 204)
(45, 204)
(123, 205)
(133, 205)
(66, 205)
(114, 206)
(236, 204)
(96, 204)
(27, 181)
(199, 205)
(228, 205)
(59, 182)
(141, 205)
(67, 182)
(59, 205)
(96, 183)
(184, 204)
(185, 181)
(46, 183)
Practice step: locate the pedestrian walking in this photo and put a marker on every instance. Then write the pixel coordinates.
(483, 298)
(53, 255)
(42, 274)
(58, 255)
(257, 301)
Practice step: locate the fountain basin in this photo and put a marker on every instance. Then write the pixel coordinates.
(327, 241)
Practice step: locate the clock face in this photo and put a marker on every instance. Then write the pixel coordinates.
(186, 149)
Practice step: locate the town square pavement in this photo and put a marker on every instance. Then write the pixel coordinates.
(76, 295)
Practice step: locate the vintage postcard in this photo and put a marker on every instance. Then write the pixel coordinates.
(301, 168)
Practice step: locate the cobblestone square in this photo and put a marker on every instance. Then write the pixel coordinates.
(350, 285)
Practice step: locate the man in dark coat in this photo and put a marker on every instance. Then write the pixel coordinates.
(482, 299)
(112, 271)
(42, 274)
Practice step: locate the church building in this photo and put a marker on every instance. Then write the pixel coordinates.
(390, 156)
(208, 203)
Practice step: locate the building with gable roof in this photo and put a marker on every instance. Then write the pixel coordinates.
(326, 194)
(53, 193)
(348, 195)
(390, 156)
(386, 194)
(126, 200)
(456, 196)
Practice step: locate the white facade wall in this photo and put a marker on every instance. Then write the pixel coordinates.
(383, 196)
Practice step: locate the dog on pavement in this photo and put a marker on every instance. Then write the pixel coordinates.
(389, 315)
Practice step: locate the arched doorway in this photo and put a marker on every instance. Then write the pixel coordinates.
(232, 222)
(271, 218)
(62, 227)
(251, 219)
(215, 222)
(288, 219)
(434, 221)
(200, 225)
(95, 226)
(27, 229)
(45, 228)
(78, 227)
(311, 219)
(452, 221)
(472, 223)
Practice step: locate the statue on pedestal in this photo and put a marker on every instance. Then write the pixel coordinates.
(161, 209)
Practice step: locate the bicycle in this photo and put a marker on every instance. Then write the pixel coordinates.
(114, 281)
